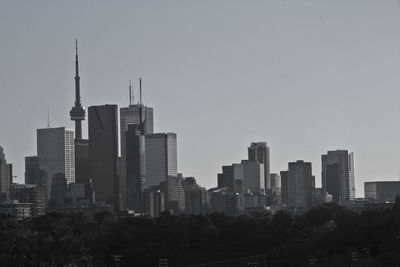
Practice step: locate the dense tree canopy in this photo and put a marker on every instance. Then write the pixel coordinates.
(327, 235)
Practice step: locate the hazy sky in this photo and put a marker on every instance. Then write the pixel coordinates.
(305, 76)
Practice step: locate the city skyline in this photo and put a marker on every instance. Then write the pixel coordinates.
(222, 101)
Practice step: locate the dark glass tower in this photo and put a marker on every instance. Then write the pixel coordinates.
(103, 151)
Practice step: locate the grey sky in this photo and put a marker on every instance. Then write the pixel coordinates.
(305, 76)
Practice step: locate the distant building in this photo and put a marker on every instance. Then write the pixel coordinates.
(251, 202)
(82, 164)
(338, 175)
(32, 170)
(222, 200)
(80, 193)
(321, 196)
(58, 190)
(30, 193)
(18, 210)
(56, 153)
(154, 201)
(231, 177)
(285, 187)
(135, 168)
(382, 191)
(260, 152)
(195, 197)
(298, 185)
(5, 175)
(175, 194)
(141, 118)
(161, 158)
(253, 176)
(103, 151)
(275, 188)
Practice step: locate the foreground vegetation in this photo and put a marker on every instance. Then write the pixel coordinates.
(327, 235)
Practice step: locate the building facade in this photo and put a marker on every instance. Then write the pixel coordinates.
(338, 175)
(56, 153)
(260, 152)
(103, 151)
(382, 191)
(161, 158)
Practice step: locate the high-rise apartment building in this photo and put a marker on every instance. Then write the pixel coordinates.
(103, 151)
(260, 152)
(56, 153)
(338, 175)
(161, 158)
(5, 175)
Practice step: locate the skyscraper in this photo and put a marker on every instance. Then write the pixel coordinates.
(140, 117)
(103, 150)
(5, 175)
(338, 175)
(161, 158)
(56, 153)
(77, 113)
(299, 183)
(260, 152)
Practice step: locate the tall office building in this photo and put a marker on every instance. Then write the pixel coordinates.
(161, 158)
(260, 152)
(56, 153)
(5, 175)
(140, 119)
(103, 150)
(338, 175)
(299, 183)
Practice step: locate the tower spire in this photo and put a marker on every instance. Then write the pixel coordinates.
(77, 112)
(130, 93)
(140, 86)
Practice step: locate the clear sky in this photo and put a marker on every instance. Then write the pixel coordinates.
(305, 76)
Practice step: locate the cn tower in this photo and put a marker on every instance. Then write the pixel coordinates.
(77, 112)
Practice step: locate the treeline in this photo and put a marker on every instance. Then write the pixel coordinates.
(328, 235)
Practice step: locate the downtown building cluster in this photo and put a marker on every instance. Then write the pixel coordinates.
(125, 167)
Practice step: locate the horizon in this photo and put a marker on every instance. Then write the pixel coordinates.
(305, 77)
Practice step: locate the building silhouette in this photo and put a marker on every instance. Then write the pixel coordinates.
(56, 153)
(338, 175)
(382, 191)
(103, 151)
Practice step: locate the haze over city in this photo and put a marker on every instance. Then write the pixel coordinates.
(305, 77)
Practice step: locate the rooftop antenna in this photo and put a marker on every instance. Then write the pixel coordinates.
(140, 86)
(130, 93)
(48, 116)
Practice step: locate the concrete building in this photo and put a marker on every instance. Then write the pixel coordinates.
(260, 152)
(103, 151)
(154, 201)
(5, 175)
(382, 191)
(56, 153)
(161, 158)
(338, 176)
(222, 200)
